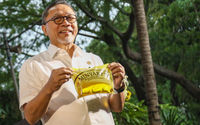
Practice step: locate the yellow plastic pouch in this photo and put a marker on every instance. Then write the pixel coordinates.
(94, 80)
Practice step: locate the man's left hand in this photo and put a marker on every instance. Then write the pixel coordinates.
(118, 73)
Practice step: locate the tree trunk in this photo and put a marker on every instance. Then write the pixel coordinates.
(150, 82)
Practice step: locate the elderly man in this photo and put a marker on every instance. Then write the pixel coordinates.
(47, 91)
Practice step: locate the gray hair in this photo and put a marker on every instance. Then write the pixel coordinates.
(45, 12)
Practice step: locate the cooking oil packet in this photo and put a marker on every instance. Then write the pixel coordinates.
(94, 80)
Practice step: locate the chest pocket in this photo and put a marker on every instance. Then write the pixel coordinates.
(83, 61)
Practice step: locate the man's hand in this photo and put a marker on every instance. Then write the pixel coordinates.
(118, 73)
(34, 109)
(116, 101)
(59, 77)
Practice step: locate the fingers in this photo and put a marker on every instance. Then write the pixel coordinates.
(114, 65)
(62, 77)
(117, 69)
(63, 71)
(62, 81)
(60, 74)
(63, 74)
(119, 74)
(58, 77)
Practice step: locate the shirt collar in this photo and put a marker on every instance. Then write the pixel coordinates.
(52, 50)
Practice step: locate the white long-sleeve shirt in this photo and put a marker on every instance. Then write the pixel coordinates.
(64, 107)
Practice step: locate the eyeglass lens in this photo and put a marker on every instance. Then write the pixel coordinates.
(70, 19)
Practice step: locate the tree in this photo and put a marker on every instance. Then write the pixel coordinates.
(173, 32)
(149, 78)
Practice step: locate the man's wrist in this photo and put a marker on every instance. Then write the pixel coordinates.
(119, 90)
(123, 85)
(48, 89)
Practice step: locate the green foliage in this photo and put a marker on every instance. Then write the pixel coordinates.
(9, 110)
(163, 92)
(133, 114)
(97, 47)
(172, 115)
(174, 34)
(179, 36)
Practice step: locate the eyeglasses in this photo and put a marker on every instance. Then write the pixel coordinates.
(59, 20)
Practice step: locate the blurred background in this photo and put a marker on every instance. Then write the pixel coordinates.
(107, 28)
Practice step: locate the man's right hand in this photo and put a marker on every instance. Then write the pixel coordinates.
(58, 77)
(34, 109)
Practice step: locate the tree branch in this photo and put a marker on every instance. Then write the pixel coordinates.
(89, 30)
(102, 20)
(38, 32)
(28, 28)
(94, 37)
(84, 24)
(136, 82)
(127, 35)
(26, 54)
(185, 83)
(120, 9)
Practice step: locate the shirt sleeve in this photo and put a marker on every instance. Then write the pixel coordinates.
(29, 84)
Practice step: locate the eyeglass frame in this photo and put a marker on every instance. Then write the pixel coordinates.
(63, 17)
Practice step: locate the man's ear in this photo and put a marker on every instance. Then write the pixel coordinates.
(44, 29)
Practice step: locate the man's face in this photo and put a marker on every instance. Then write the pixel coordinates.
(63, 33)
